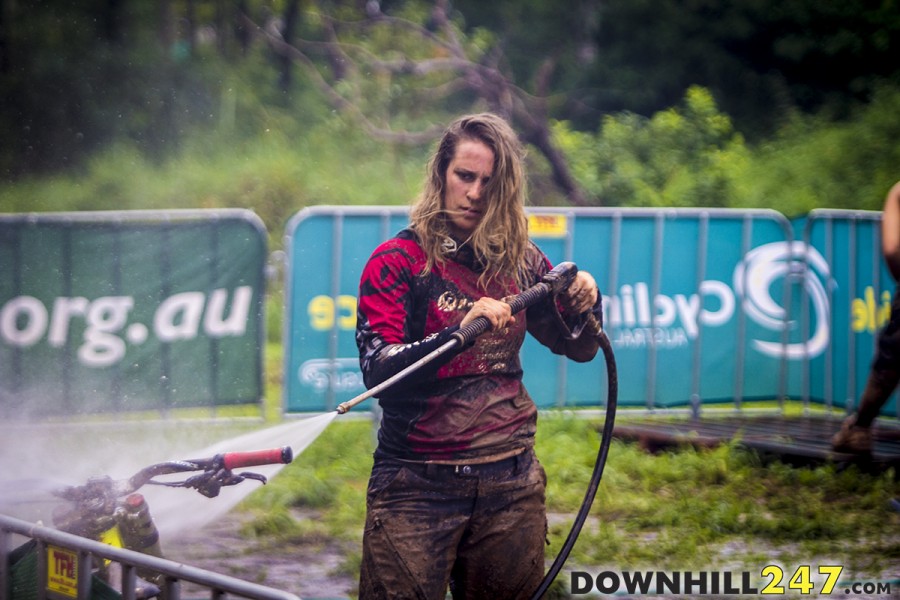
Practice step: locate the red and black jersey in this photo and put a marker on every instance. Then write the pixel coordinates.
(473, 403)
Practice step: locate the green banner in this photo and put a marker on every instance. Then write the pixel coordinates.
(135, 310)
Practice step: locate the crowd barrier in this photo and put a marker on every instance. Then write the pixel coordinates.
(703, 306)
(153, 310)
(104, 312)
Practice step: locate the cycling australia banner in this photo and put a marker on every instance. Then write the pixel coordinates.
(134, 310)
(701, 305)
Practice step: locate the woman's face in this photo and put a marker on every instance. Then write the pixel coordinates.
(466, 176)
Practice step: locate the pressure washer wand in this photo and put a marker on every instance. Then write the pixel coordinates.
(556, 280)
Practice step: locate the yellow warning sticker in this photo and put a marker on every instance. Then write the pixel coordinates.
(548, 226)
(62, 571)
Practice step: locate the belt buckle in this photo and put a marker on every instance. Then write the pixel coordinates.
(462, 469)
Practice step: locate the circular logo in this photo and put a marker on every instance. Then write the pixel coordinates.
(793, 263)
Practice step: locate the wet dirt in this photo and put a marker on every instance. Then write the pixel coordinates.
(309, 570)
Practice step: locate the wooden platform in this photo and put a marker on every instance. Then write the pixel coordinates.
(793, 440)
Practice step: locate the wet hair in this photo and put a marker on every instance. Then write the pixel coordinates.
(501, 239)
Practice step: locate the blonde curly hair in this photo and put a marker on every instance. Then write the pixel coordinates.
(501, 239)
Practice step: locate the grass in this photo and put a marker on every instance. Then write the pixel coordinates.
(685, 509)
(720, 508)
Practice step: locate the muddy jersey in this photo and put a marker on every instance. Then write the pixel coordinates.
(469, 403)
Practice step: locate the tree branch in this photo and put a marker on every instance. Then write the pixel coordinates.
(526, 112)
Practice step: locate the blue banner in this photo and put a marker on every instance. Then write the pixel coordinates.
(701, 305)
(851, 291)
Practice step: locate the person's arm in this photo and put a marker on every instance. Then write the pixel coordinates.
(547, 330)
(581, 309)
(890, 231)
(386, 333)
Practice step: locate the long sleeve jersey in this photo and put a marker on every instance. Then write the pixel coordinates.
(472, 403)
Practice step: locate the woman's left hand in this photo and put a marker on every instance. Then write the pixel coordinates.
(582, 293)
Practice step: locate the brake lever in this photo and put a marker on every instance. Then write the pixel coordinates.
(211, 482)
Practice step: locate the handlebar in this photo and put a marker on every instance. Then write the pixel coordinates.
(216, 472)
(273, 456)
(236, 460)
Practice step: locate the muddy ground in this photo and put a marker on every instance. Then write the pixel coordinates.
(311, 570)
(316, 570)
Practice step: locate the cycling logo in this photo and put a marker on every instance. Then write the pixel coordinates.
(754, 280)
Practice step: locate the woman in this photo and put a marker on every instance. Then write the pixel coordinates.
(456, 495)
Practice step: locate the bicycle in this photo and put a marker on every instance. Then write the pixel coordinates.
(115, 513)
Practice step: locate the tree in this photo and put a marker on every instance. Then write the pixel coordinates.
(385, 68)
(687, 155)
(762, 59)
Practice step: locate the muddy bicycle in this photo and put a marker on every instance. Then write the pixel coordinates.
(105, 544)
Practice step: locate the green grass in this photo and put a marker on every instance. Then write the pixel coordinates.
(721, 508)
(683, 509)
(677, 510)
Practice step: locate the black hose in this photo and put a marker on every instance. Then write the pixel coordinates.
(612, 396)
(553, 282)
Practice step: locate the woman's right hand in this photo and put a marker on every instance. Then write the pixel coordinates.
(498, 312)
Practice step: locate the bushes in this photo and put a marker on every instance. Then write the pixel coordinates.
(691, 155)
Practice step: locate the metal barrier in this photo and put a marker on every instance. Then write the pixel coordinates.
(124, 311)
(858, 297)
(687, 250)
(86, 550)
(676, 285)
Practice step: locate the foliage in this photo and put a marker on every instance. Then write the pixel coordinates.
(763, 59)
(275, 175)
(163, 80)
(242, 141)
(816, 163)
(78, 76)
(679, 157)
(690, 155)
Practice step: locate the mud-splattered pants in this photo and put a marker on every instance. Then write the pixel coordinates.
(480, 529)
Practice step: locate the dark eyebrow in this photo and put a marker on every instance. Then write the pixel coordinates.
(464, 171)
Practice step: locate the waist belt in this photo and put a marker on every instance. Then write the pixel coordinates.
(512, 462)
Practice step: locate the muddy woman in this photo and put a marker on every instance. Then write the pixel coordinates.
(456, 495)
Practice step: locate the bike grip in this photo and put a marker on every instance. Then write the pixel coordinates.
(272, 456)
